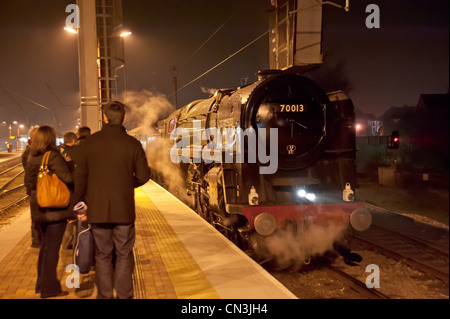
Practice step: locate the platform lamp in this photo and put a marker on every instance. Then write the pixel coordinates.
(18, 134)
(10, 136)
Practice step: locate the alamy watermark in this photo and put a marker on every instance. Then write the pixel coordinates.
(73, 19)
(373, 280)
(73, 278)
(225, 145)
(373, 19)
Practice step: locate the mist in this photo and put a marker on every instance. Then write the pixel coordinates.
(288, 249)
(145, 109)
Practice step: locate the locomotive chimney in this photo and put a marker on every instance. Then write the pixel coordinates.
(266, 74)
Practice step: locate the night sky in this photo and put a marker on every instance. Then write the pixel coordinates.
(390, 66)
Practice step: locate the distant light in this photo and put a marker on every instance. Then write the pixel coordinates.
(358, 127)
(126, 33)
(14, 122)
(396, 139)
(71, 30)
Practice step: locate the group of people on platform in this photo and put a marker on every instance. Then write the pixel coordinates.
(102, 170)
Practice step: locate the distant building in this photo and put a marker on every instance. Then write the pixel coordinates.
(367, 124)
(433, 104)
(397, 118)
(423, 132)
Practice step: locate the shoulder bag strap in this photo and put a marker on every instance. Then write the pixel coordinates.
(45, 160)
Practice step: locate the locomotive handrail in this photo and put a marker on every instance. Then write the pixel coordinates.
(341, 151)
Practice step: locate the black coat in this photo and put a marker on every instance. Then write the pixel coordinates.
(58, 166)
(111, 164)
(25, 155)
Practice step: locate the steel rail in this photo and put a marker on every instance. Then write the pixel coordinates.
(10, 205)
(354, 283)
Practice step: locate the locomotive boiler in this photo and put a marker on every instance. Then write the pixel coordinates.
(271, 165)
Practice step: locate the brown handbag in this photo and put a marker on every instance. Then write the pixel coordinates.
(51, 191)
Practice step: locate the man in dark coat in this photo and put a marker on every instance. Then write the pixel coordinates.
(81, 135)
(111, 165)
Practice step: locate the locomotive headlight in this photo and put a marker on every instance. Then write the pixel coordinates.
(309, 196)
(265, 224)
(301, 193)
(360, 219)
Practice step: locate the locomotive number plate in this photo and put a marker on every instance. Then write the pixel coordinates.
(292, 108)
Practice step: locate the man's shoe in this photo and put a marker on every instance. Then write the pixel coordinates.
(61, 294)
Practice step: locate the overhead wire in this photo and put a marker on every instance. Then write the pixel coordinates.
(222, 62)
(216, 31)
(247, 45)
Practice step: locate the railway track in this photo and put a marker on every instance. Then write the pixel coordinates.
(12, 188)
(354, 283)
(423, 247)
(324, 278)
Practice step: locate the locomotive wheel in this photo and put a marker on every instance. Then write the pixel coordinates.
(229, 231)
(226, 224)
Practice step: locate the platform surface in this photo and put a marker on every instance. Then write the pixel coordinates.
(178, 255)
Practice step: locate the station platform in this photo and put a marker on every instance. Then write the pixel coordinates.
(178, 255)
(10, 159)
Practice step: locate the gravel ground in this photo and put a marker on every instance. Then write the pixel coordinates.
(397, 280)
(421, 202)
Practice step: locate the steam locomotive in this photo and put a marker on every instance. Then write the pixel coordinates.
(271, 165)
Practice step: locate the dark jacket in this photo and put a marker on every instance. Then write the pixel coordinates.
(67, 152)
(111, 164)
(57, 165)
(75, 150)
(25, 155)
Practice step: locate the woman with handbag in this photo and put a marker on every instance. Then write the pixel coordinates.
(45, 167)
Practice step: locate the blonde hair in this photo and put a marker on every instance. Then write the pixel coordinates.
(32, 131)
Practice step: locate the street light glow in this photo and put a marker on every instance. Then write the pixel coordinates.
(126, 33)
(69, 29)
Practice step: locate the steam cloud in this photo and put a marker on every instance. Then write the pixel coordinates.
(210, 91)
(145, 109)
(288, 249)
(160, 163)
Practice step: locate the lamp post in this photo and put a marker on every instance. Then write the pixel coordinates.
(17, 137)
(18, 134)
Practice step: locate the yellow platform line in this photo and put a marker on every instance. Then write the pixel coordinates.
(187, 278)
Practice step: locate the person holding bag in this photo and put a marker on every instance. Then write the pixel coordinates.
(44, 157)
(111, 164)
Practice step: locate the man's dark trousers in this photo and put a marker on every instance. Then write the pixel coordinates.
(108, 237)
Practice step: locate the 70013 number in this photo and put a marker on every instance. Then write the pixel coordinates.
(292, 108)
